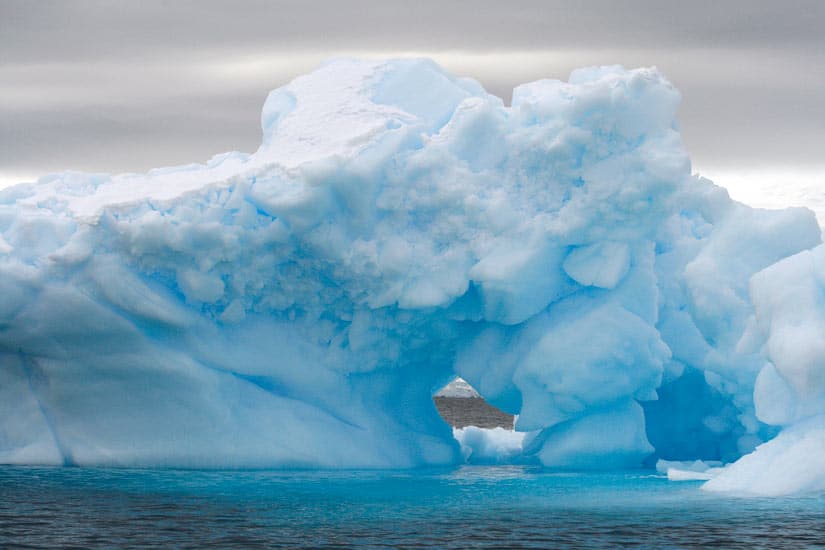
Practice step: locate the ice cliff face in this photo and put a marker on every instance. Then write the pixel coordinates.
(397, 227)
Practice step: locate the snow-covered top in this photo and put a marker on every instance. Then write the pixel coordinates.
(326, 116)
(457, 388)
(345, 105)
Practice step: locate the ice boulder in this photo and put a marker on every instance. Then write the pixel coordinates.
(490, 445)
(697, 470)
(788, 326)
(398, 227)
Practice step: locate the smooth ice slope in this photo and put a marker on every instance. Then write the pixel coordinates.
(398, 227)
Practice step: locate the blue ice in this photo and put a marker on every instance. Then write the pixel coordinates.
(300, 305)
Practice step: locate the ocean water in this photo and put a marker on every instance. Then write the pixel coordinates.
(516, 507)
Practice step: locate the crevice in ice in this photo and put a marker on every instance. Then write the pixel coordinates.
(36, 378)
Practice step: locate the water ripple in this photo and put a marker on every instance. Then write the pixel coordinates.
(463, 508)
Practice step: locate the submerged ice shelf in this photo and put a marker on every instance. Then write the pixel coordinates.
(398, 226)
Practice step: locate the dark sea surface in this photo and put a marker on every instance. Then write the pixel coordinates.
(473, 506)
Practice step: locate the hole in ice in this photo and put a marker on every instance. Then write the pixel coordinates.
(484, 432)
(460, 405)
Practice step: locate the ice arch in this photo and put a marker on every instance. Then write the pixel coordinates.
(398, 226)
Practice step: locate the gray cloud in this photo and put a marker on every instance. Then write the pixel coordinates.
(78, 30)
(125, 86)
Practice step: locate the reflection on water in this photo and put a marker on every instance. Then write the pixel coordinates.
(470, 506)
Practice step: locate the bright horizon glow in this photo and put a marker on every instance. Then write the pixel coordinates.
(7, 179)
(774, 186)
(766, 187)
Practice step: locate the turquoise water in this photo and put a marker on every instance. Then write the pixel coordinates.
(463, 507)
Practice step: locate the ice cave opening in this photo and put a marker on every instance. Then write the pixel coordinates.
(689, 420)
(460, 405)
(485, 433)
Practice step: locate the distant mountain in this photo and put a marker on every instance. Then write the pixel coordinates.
(457, 388)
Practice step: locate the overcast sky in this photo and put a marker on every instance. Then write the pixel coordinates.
(127, 86)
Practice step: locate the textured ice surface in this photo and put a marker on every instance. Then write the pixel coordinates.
(397, 227)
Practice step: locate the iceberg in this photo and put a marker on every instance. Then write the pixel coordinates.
(399, 227)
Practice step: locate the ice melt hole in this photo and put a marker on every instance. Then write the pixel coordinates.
(460, 405)
(484, 432)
